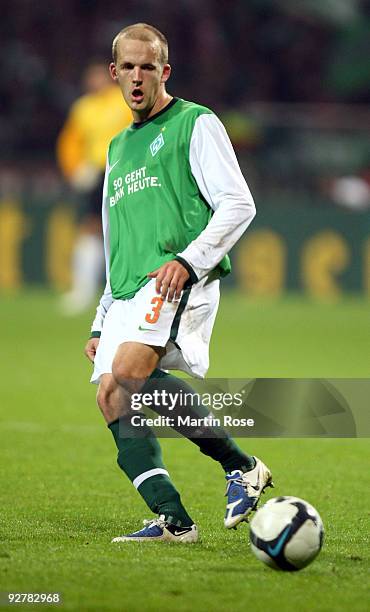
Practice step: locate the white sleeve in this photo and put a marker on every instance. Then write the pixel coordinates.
(102, 309)
(106, 299)
(216, 170)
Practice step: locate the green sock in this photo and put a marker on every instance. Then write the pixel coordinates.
(139, 453)
(212, 441)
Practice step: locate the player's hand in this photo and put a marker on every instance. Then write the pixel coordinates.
(170, 280)
(91, 348)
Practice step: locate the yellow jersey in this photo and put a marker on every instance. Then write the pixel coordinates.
(92, 122)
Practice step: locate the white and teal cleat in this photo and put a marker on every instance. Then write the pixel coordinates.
(159, 530)
(243, 491)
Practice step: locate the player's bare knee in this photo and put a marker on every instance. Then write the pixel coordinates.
(105, 394)
(131, 377)
(113, 401)
(102, 399)
(131, 373)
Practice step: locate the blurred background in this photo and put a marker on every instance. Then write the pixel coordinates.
(291, 82)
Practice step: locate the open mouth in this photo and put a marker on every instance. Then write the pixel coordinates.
(137, 95)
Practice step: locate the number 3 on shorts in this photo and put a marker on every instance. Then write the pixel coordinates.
(152, 317)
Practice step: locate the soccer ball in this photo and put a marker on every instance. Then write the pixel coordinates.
(286, 533)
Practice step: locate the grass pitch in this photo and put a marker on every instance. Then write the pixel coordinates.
(63, 498)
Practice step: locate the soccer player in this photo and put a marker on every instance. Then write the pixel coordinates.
(174, 203)
(92, 121)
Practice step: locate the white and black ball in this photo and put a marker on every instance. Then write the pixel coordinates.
(286, 533)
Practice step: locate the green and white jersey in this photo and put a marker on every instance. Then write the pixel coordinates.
(173, 187)
(155, 206)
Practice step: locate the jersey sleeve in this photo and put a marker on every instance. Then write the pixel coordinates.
(106, 299)
(216, 170)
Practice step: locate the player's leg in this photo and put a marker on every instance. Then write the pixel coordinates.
(139, 453)
(246, 475)
(212, 440)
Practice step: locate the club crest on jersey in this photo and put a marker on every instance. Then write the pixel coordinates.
(156, 144)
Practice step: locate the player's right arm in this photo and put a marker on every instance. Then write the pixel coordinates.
(105, 303)
(106, 299)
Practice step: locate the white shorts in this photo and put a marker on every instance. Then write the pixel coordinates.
(184, 328)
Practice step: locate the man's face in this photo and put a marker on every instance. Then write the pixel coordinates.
(139, 73)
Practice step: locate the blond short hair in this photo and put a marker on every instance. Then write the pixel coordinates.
(146, 33)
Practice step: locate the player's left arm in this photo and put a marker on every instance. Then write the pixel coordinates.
(216, 170)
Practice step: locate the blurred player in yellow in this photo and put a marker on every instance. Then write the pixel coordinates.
(93, 120)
